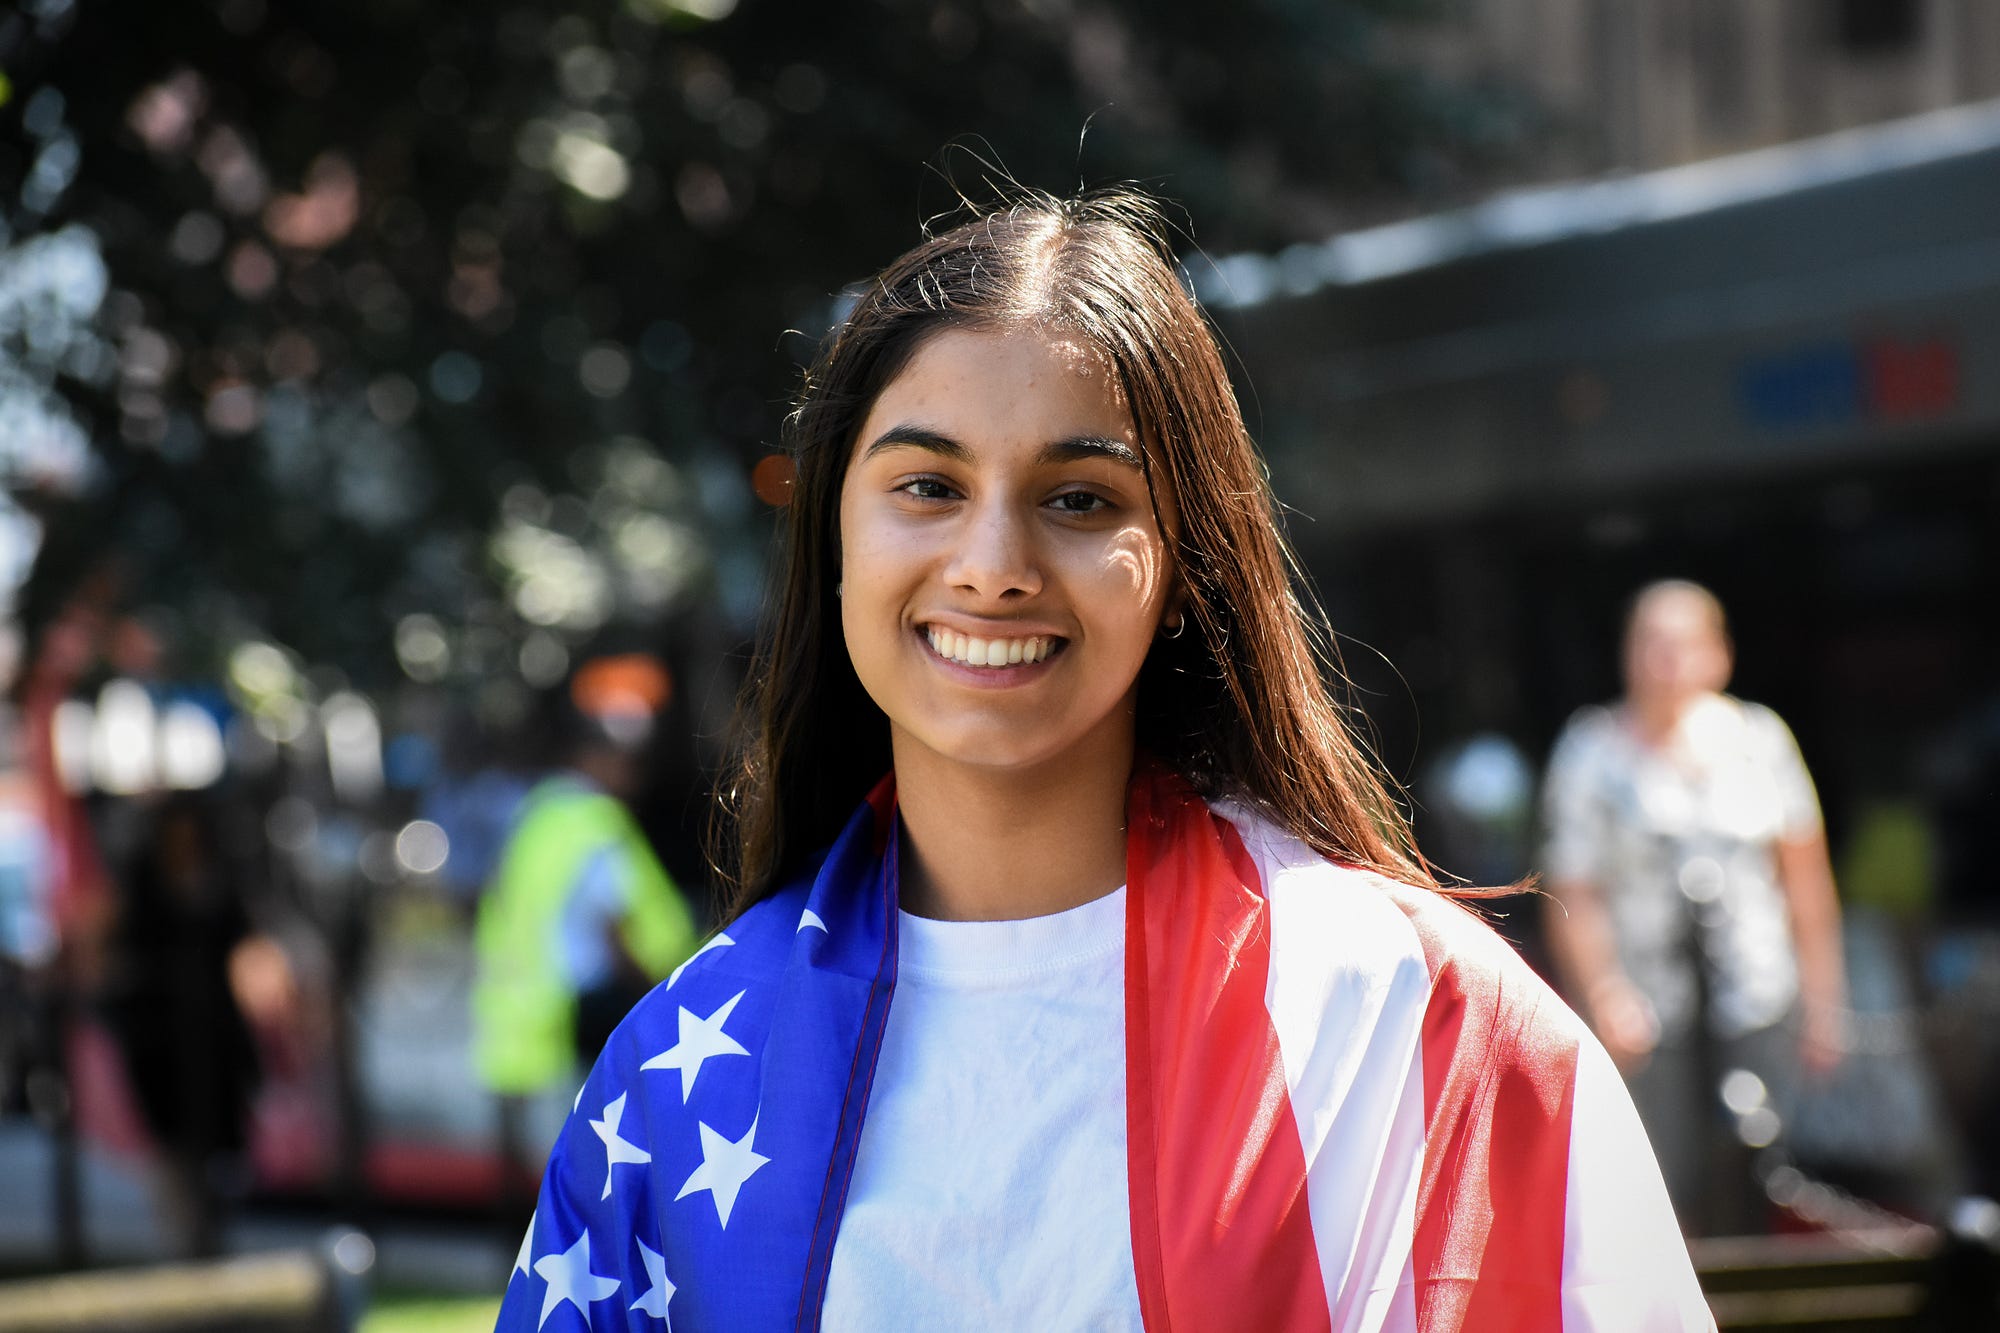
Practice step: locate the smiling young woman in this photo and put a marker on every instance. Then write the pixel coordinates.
(1078, 970)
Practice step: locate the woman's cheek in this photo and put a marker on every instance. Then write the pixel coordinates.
(1130, 575)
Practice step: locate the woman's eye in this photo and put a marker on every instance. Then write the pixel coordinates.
(926, 488)
(1080, 502)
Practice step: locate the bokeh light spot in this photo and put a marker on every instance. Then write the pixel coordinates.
(422, 847)
(772, 479)
(605, 370)
(456, 377)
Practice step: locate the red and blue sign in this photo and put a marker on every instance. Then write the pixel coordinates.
(1862, 381)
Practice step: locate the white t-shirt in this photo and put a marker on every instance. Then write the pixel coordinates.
(1683, 838)
(989, 1188)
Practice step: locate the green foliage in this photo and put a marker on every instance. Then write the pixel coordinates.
(397, 286)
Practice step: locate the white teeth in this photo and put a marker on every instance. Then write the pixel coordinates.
(988, 652)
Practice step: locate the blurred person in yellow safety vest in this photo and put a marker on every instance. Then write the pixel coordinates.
(580, 919)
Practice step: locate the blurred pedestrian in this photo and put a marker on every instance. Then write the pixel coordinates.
(180, 937)
(1697, 926)
(475, 797)
(580, 919)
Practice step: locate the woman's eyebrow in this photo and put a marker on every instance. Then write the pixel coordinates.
(1088, 446)
(1068, 450)
(920, 438)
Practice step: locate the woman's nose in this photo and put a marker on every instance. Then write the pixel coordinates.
(995, 554)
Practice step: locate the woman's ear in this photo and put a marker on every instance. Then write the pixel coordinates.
(1173, 616)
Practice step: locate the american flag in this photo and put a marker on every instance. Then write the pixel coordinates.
(1350, 1107)
(700, 1177)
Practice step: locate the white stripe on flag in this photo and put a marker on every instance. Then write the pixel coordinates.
(1625, 1267)
(1347, 991)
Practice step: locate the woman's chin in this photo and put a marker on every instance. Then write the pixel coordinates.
(999, 752)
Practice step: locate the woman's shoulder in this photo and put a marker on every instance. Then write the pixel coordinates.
(1591, 728)
(1593, 746)
(1760, 721)
(1397, 934)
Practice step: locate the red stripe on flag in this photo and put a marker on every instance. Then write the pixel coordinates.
(1221, 1235)
(1499, 1056)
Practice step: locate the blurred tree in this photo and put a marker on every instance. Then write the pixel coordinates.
(438, 338)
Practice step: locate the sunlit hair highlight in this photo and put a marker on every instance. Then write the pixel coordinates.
(1240, 704)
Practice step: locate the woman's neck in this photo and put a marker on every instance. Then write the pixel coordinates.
(988, 845)
(1656, 720)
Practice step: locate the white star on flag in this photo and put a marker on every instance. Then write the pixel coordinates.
(725, 1165)
(654, 1302)
(719, 942)
(570, 1279)
(809, 920)
(527, 1244)
(700, 1039)
(616, 1149)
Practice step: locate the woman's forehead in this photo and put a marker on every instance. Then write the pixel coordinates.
(1069, 349)
(1026, 380)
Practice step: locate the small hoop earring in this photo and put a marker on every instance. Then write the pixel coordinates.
(1180, 627)
(840, 590)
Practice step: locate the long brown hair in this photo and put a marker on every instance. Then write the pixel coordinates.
(1238, 704)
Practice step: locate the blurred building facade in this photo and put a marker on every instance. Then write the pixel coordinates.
(1644, 84)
